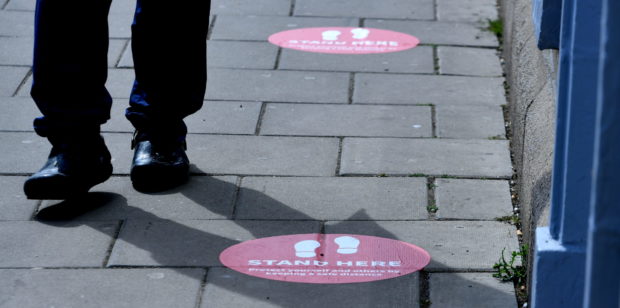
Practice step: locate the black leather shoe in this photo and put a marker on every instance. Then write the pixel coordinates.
(159, 165)
(72, 169)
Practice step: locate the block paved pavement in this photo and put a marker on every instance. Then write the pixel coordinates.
(288, 142)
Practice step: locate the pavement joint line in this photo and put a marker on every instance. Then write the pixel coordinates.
(291, 11)
(235, 198)
(432, 201)
(436, 66)
(22, 83)
(201, 289)
(126, 46)
(276, 65)
(361, 22)
(339, 156)
(117, 232)
(261, 116)
(322, 228)
(365, 175)
(434, 121)
(351, 89)
(424, 287)
(211, 26)
(350, 72)
(435, 10)
(36, 209)
(5, 4)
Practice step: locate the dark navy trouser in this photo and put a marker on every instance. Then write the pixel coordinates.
(70, 65)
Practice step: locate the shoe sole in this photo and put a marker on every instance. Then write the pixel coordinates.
(62, 188)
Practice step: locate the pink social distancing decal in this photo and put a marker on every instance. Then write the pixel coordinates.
(344, 40)
(325, 258)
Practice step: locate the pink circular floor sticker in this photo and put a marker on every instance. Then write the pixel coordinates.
(344, 40)
(325, 258)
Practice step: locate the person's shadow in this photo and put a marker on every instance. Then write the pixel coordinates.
(146, 239)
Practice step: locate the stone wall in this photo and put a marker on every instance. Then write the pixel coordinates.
(531, 75)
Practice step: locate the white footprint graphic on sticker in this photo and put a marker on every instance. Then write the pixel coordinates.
(305, 249)
(347, 245)
(360, 33)
(331, 35)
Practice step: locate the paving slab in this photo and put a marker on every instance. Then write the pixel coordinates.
(469, 61)
(17, 113)
(192, 243)
(119, 83)
(213, 154)
(117, 7)
(332, 198)
(259, 28)
(441, 33)
(428, 89)
(263, 85)
(11, 78)
(251, 7)
(125, 288)
(215, 117)
(480, 11)
(230, 54)
(21, 5)
(56, 244)
(13, 204)
(464, 290)
(453, 245)
(347, 120)
(470, 122)
(472, 199)
(416, 60)
(16, 50)
(228, 288)
(203, 197)
(120, 25)
(472, 158)
(401, 9)
(14, 23)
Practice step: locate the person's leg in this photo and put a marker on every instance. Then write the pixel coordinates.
(69, 74)
(169, 51)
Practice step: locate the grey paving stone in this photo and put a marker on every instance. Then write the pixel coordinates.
(412, 89)
(215, 117)
(213, 154)
(464, 290)
(470, 122)
(347, 120)
(259, 28)
(227, 288)
(100, 287)
(13, 204)
(17, 113)
(122, 6)
(201, 198)
(14, 23)
(416, 60)
(21, 5)
(332, 198)
(472, 199)
(453, 245)
(259, 85)
(11, 78)
(57, 244)
(119, 83)
(192, 243)
(442, 33)
(467, 10)
(251, 7)
(264, 155)
(469, 61)
(402, 9)
(115, 51)
(232, 54)
(16, 50)
(120, 25)
(474, 158)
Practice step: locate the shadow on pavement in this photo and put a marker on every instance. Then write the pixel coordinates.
(153, 241)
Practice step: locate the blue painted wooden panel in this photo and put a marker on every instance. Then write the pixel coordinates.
(547, 15)
(603, 264)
